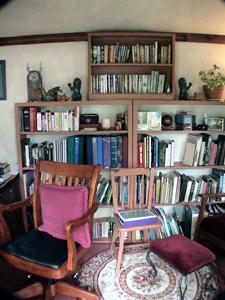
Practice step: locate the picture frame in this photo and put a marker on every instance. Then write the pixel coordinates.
(215, 123)
(3, 80)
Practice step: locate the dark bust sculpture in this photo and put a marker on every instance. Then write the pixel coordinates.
(76, 95)
(183, 95)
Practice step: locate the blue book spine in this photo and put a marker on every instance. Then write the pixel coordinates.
(113, 150)
(76, 149)
(89, 150)
(99, 151)
(106, 152)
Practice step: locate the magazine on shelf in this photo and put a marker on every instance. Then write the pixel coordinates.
(138, 222)
(138, 214)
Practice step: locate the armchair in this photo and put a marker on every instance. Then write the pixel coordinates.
(211, 228)
(63, 208)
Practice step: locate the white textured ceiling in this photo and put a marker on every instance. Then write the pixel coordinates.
(31, 17)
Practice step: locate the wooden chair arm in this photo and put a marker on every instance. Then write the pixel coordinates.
(5, 235)
(16, 205)
(71, 225)
(203, 207)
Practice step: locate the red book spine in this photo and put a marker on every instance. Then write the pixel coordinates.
(33, 118)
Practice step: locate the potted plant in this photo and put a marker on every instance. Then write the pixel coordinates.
(214, 83)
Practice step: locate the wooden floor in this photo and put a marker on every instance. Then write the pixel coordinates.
(13, 279)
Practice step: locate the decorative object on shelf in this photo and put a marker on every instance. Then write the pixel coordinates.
(214, 83)
(148, 120)
(185, 121)
(183, 95)
(51, 95)
(2, 80)
(89, 118)
(198, 96)
(215, 123)
(90, 127)
(120, 121)
(61, 96)
(34, 84)
(168, 121)
(203, 127)
(76, 95)
(106, 123)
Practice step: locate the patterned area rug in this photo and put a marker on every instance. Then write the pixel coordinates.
(133, 282)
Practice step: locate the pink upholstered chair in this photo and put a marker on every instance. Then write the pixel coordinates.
(63, 209)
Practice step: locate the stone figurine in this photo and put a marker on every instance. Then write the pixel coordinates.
(183, 95)
(76, 95)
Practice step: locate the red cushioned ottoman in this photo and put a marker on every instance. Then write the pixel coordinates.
(183, 254)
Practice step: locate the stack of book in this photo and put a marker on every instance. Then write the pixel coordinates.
(5, 171)
(136, 217)
(203, 150)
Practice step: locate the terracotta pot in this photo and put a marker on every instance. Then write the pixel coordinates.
(215, 94)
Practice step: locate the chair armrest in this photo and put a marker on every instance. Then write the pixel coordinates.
(4, 229)
(16, 205)
(72, 254)
(202, 208)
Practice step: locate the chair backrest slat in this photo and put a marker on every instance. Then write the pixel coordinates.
(139, 187)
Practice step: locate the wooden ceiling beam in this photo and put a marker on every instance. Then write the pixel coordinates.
(82, 36)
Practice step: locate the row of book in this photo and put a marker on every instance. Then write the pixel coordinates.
(108, 151)
(202, 150)
(5, 171)
(128, 83)
(175, 187)
(103, 227)
(155, 53)
(32, 119)
(152, 152)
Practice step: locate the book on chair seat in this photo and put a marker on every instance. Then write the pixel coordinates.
(136, 215)
(137, 222)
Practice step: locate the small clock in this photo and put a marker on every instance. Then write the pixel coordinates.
(34, 86)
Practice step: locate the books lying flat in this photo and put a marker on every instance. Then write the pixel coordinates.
(133, 215)
(137, 222)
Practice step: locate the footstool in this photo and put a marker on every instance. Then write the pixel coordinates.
(183, 254)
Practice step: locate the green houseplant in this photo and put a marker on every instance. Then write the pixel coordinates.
(214, 83)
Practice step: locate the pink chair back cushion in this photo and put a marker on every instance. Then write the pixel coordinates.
(60, 204)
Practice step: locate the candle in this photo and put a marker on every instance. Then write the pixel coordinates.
(106, 123)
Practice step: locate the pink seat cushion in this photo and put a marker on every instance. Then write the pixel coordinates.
(215, 225)
(182, 253)
(60, 204)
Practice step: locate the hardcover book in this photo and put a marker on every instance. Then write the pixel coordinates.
(137, 214)
(137, 222)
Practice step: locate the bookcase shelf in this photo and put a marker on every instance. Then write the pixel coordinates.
(131, 65)
(103, 108)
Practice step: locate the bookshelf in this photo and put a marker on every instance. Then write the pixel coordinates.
(131, 65)
(198, 108)
(103, 108)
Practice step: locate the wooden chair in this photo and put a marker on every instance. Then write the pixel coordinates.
(131, 189)
(39, 253)
(211, 228)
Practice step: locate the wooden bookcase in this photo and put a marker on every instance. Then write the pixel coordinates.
(103, 108)
(198, 108)
(139, 63)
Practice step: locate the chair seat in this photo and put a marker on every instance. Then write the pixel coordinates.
(215, 225)
(38, 247)
(182, 253)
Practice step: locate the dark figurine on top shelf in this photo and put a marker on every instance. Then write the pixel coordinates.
(183, 95)
(51, 95)
(76, 95)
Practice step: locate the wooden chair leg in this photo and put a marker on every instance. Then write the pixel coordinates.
(31, 290)
(67, 289)
(120, 252)
(112, 246)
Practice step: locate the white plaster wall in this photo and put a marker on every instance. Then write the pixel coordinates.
(62, 62)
